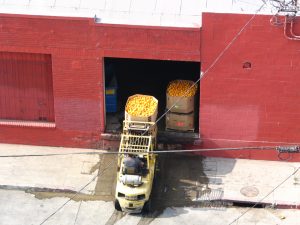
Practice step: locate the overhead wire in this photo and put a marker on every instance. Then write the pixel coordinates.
(154, 152)
(193, 150)
(171, 151)
(172, 106)
(101, 172)
(201, 77)
(212, 64)
(209, 68)
(262, 199)
(250, 141)
(168, 151)
(75, 221)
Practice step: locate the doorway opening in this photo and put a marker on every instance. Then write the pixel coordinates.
(125, 77)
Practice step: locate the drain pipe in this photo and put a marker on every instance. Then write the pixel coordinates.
(292, 30)
(291, 35)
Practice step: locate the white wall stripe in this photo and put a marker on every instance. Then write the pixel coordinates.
(176, 13)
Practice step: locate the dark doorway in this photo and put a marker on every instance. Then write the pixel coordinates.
(149, 77)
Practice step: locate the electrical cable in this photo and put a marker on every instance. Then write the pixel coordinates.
(194, 150)
(56, 154)
(173, 151)
(154, 152)
(209, 68)
(77, 213)
(212, 64)
(77, 192)
(260, 201)
(252, 141)
(101, 172)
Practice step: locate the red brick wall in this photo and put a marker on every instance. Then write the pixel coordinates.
(77, 47)
(249, 107)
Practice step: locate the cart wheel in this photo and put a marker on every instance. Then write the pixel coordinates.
(117, 205)
(147, 206)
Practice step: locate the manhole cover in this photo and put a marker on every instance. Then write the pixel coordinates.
(249, 191)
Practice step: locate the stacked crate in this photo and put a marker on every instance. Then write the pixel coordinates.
(141, 108)
(140, 115)
(180, 105)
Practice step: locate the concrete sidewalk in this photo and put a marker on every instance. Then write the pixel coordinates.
(19, 208)
(65, 172)
(228, 179)
(240, 180)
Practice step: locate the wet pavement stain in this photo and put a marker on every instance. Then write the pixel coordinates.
(104, 189)
(179, 181)
(77, 198)
(106, 181)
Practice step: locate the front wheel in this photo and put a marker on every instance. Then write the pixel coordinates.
(147, 206)
(117, 205)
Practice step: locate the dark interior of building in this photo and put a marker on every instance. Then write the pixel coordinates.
(149, 77)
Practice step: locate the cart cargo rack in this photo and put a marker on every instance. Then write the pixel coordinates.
(135, 144)
(138, 127)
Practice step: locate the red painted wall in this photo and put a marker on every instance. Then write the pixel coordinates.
(249, 107)
(77, 47)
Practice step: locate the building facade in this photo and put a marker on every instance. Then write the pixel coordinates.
(52, 76)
